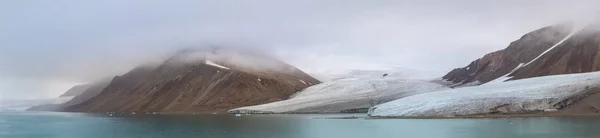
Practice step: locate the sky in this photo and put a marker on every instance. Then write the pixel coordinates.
(47, 46)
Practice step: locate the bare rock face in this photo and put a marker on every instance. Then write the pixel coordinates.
(499, 63)
(200, 81)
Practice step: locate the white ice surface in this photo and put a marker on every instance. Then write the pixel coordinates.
(352, 92)
(398, 73)
(525, 95)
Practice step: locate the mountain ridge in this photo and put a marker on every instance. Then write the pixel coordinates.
(188, 83)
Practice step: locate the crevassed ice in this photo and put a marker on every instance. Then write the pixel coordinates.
(342, 94)
(525, 95)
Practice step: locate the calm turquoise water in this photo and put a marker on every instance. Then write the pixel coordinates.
(70, 125)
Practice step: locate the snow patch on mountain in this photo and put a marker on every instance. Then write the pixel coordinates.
(234, 59)
(208, 62)
(574, 30)
(525, 95)
(302, 81)
(506, 77)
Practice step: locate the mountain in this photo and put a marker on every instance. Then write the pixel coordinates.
(214, 80)
(354, 92)
(499, 63)
(578, 53)
(561, 78)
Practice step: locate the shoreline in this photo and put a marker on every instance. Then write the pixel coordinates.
(476, 116)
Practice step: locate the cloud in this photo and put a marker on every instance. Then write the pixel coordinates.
(79, 41)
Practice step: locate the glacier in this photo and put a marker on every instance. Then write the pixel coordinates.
(548, 93)
(355, 91)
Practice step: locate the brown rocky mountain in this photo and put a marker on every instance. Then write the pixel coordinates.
(200, 81)
(577, 53)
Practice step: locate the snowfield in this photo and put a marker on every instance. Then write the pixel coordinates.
(361, 90)
(548, 93)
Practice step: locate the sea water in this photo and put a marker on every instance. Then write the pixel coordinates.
(79, 125)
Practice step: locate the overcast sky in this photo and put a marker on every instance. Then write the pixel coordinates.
(47, 46)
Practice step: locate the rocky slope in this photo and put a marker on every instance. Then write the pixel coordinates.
(548, 51)
(577, 54)
(200, 81)
(499, 63)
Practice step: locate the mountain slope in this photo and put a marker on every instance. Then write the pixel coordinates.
(200, 81)
(353, 93)
(577, 54)
(499, 63)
